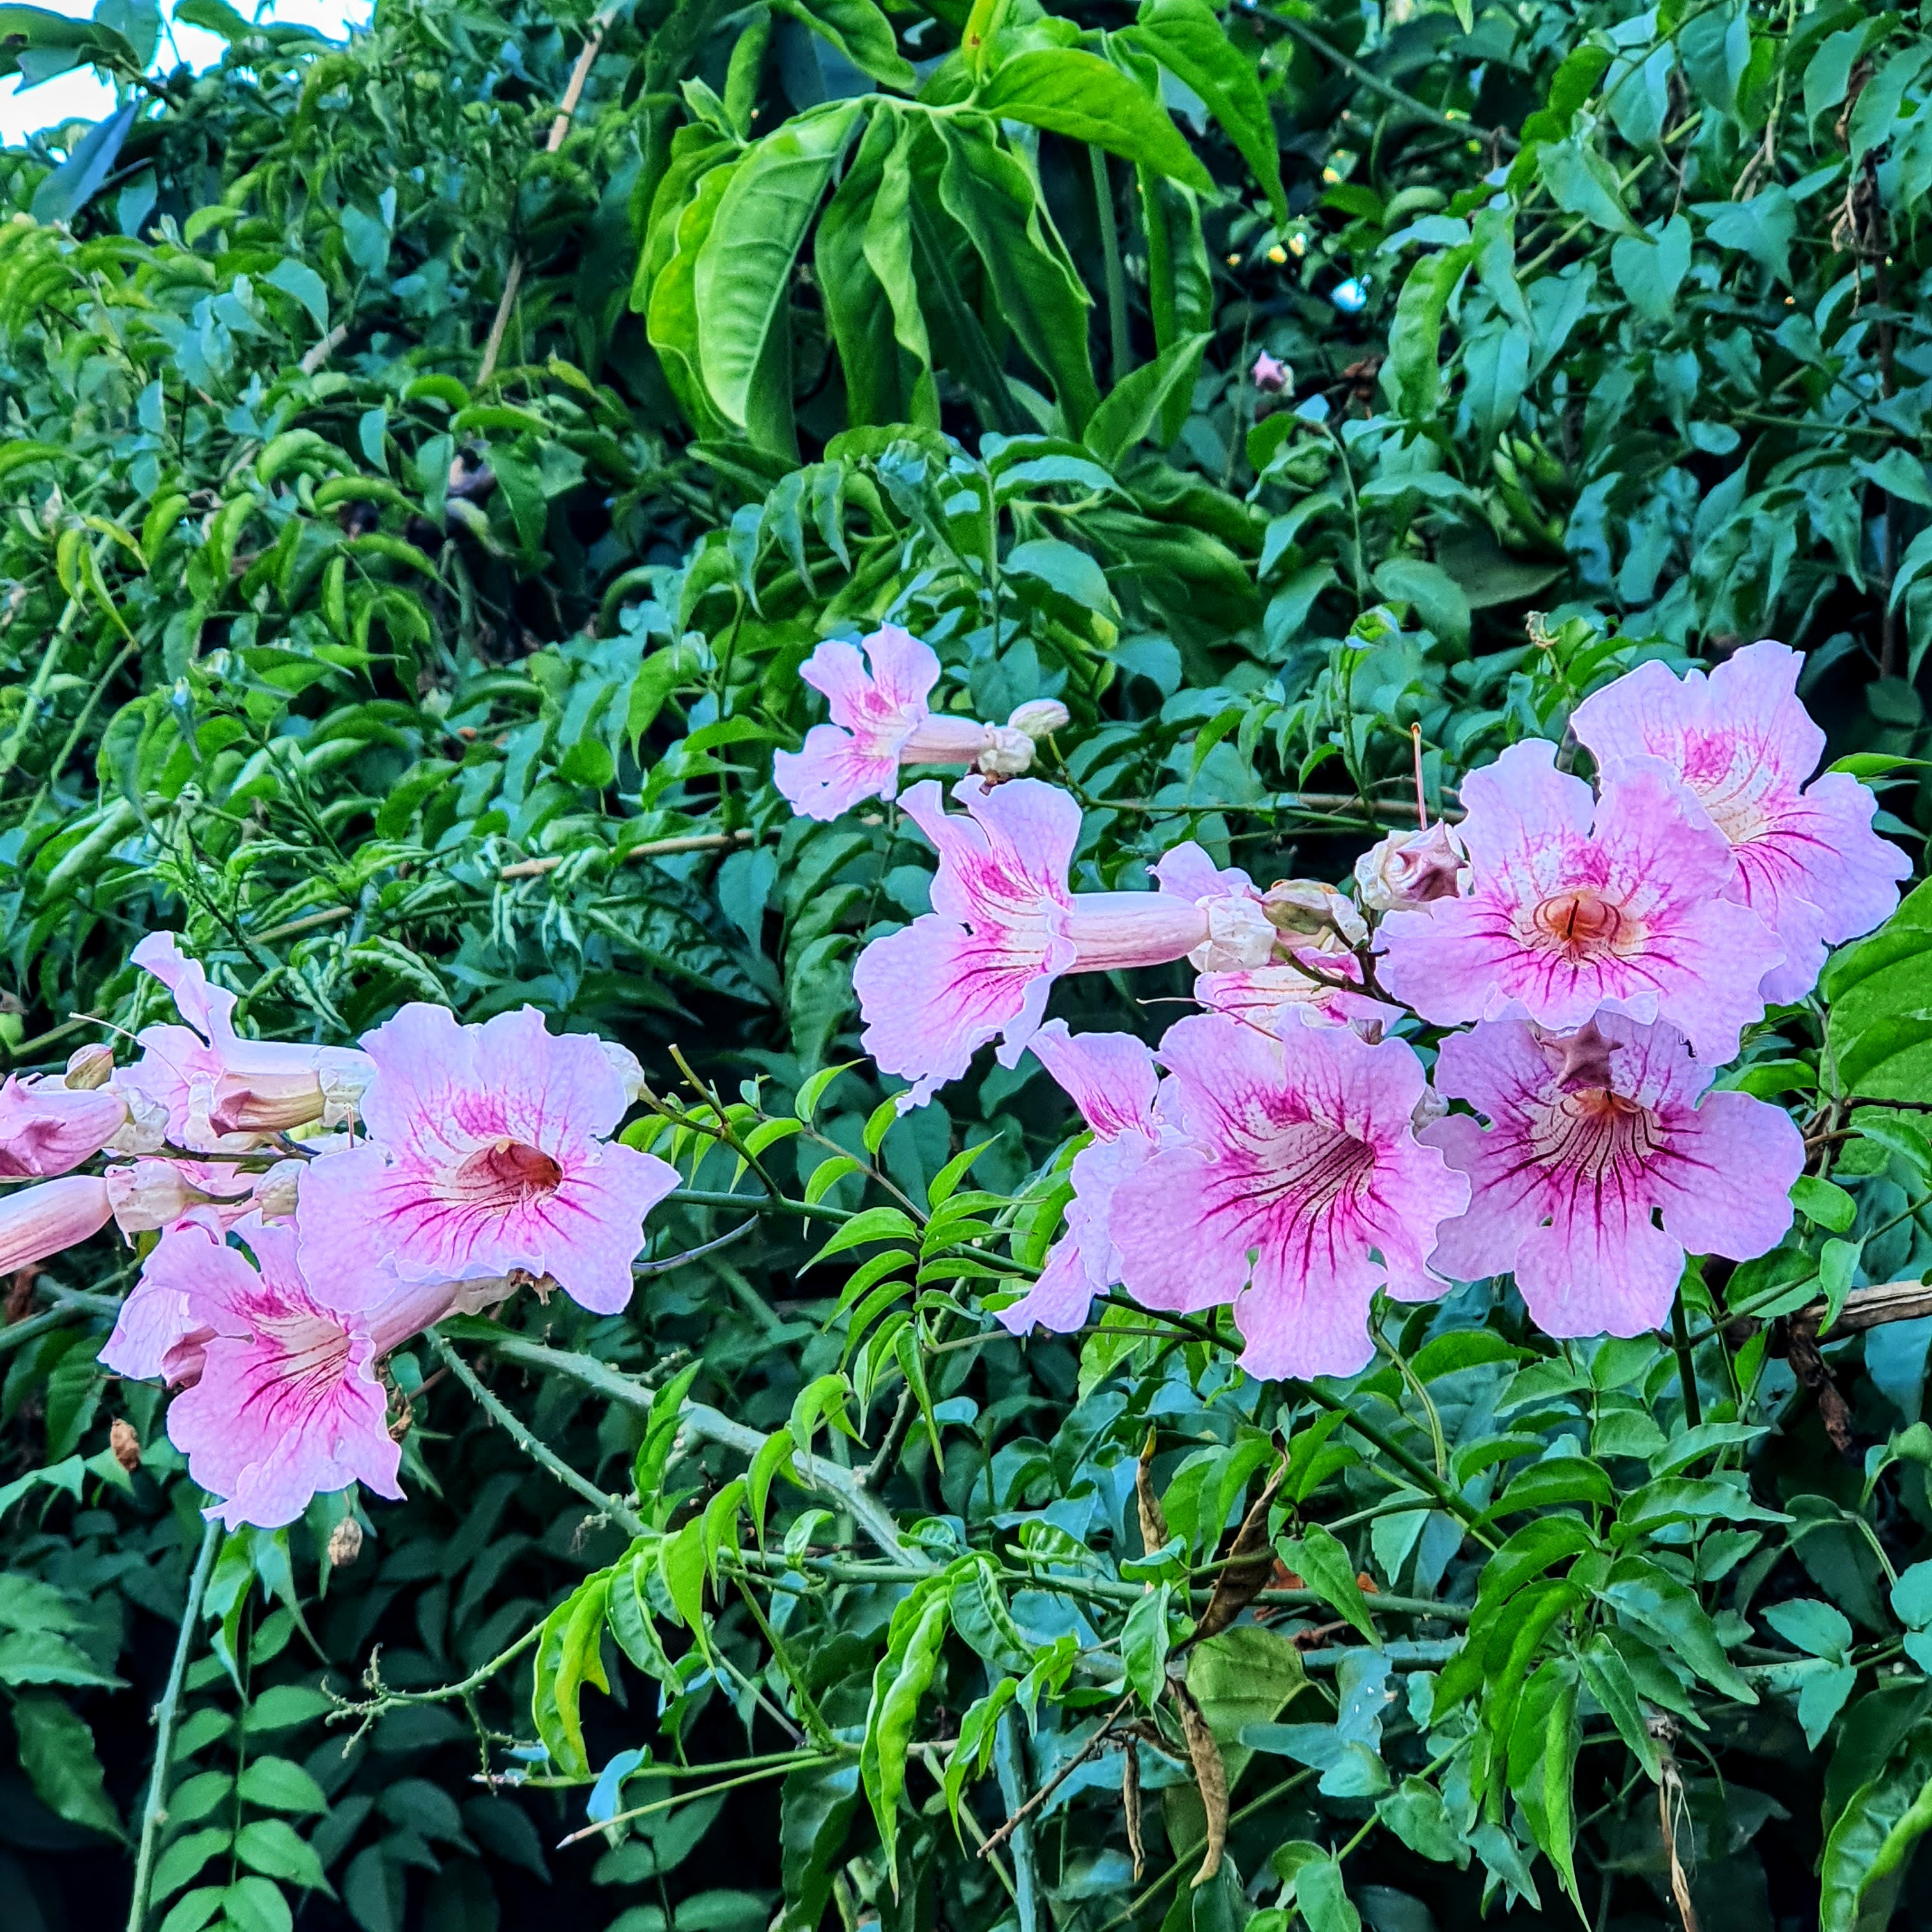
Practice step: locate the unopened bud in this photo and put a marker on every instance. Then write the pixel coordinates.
(1314, 909)
(345, 1543)
(265, 1103)
(150, 1195)
(1428, 1110)
(88, 1067)
(628, 1068)
(1240, 937)
(275, 1191)
(1271, 376)
(1006, 752)
(1040, 718)
(126, 1445)
(1408, 869)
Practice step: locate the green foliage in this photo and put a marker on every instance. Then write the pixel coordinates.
(389, 665)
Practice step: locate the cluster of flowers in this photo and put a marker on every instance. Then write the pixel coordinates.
(317, 1206)
(1600, 954)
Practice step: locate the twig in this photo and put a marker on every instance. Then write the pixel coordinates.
(811, 1763)
(620, 1513)
(313, 359)
(152, 1813)
(559, 128)
(1091, 1748)
(652, 848)
(1313, 41)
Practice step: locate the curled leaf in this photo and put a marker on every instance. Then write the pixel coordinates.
(1211, 1776)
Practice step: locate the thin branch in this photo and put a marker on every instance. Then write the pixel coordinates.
(153, 1813)
(620, 1512)
(559, 128)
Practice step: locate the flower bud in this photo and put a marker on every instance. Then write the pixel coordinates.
(47, 1127)
(274, 1196)
(1271, 376)
(1314, 910)
(1040, 718)
(88, 1067)
(126, 1445)
(265, 1103)
(150, 1195)
(1006, 752)
(38, 1222)
(145, 1129)
(345, 1543)
(1411, 868)
(1427, 1111)
(1240, 936)
(628, 1068)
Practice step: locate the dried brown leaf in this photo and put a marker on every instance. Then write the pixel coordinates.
(1250, 1564)
(1153, 1524)
(1211, 1776)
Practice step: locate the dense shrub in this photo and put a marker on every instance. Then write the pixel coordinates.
(419, 504)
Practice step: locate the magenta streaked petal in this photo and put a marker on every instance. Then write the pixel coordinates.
(1292, 1183)
(832, 772)
(1810, 864)
(1566, 913)
(1109, 1076)
(1566, 1181)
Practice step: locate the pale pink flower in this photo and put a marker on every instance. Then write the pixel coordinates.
(218, 1090)
(1592, 1140)
(881, 720)
(1004, 927)
(1111, 1077)
(47, 1127)
(1809, 863)
(287, 1405)
(1574, 904)
(1407, 869)
(1291, 1184)
(490, 1153)
(39, 1221)
(1270, 375)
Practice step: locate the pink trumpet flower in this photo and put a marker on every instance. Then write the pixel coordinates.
(1290, 1182)
(881, 720)
(490, 1155)
(1593, 1140)
(38, 1222)
(213, 1085)
(1574, 904)
(286, 1405)
(47, 1127)
(1312, 982)
(1809, 863)
(1111, 1077)
(1004, 927)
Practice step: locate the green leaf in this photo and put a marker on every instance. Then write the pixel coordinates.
(1610, 1682)
(1863, 1862)
(1580, 181)
(1824, 1202)
(1413, 374)
(271, 1846)
(991, 195)
(57, 1754)
(900, 1679)
(1134, 408)
(861, 32)
(744, 265)
(1318, 1557)
(44, 1657)
(1879, 1029)
(1144, 1642)
(1186, 37)
(1069, 92)
(568, 1657)
(277, 1784)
